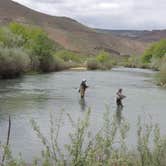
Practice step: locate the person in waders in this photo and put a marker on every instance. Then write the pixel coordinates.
(83, 87)
(119, 98)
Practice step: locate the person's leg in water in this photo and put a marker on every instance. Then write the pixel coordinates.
(119, 114)
(82, 92)
(82, 103)
(119, 102)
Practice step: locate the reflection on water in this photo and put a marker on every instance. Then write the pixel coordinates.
(119, 114)
(83, 104)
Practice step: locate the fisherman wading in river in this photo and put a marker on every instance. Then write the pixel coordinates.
(83, 87)
(119, 98)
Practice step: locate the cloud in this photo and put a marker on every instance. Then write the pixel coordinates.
(109, 14)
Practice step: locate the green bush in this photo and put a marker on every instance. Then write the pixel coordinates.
(161, 75)
(60, 64)
(68, 56)
(155, 57)
(93, 64)
(33, 43)
(146, 57)
(155, 63)
(106, 65)
(38, 44)
(27, 32)
(134, 62)
(157, 50)
(103, 57)
(13, 62)
(160, 49)
(9, 39)
(102, 61)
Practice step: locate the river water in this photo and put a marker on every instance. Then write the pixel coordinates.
(35, 96)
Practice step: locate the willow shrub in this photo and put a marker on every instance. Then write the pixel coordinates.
(92, 64)
(9, 39)
(60, 64)
(26, 47)
(13, 62)
(155, 54)
(161, 75)
(7, 159)
(39, 46)
(107, 147)
(103, 61)
(69, 56)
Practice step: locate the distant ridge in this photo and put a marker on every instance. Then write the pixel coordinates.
(139, 35)
(69, 33)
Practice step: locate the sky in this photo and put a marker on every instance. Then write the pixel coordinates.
(106, 14)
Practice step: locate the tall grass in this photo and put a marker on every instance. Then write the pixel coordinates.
(106, 147)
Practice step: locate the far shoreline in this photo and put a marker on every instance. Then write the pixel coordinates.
(80, 68)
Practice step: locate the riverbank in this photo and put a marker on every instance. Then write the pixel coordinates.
(81, 68)
(28, 49)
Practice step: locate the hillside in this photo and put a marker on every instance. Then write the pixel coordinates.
(68, 32)
(139, 35)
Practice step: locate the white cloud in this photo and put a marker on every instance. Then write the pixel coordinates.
(119, 14)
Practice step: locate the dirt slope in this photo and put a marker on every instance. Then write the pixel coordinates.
(69, 33)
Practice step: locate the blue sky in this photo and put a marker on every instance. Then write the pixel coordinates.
(107, 14)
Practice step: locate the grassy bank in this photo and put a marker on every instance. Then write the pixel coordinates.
(107, 147)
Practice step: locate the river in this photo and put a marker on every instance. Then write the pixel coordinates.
(35, 96)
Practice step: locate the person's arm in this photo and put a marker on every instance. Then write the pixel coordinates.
(123, 96)
(86, 86)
